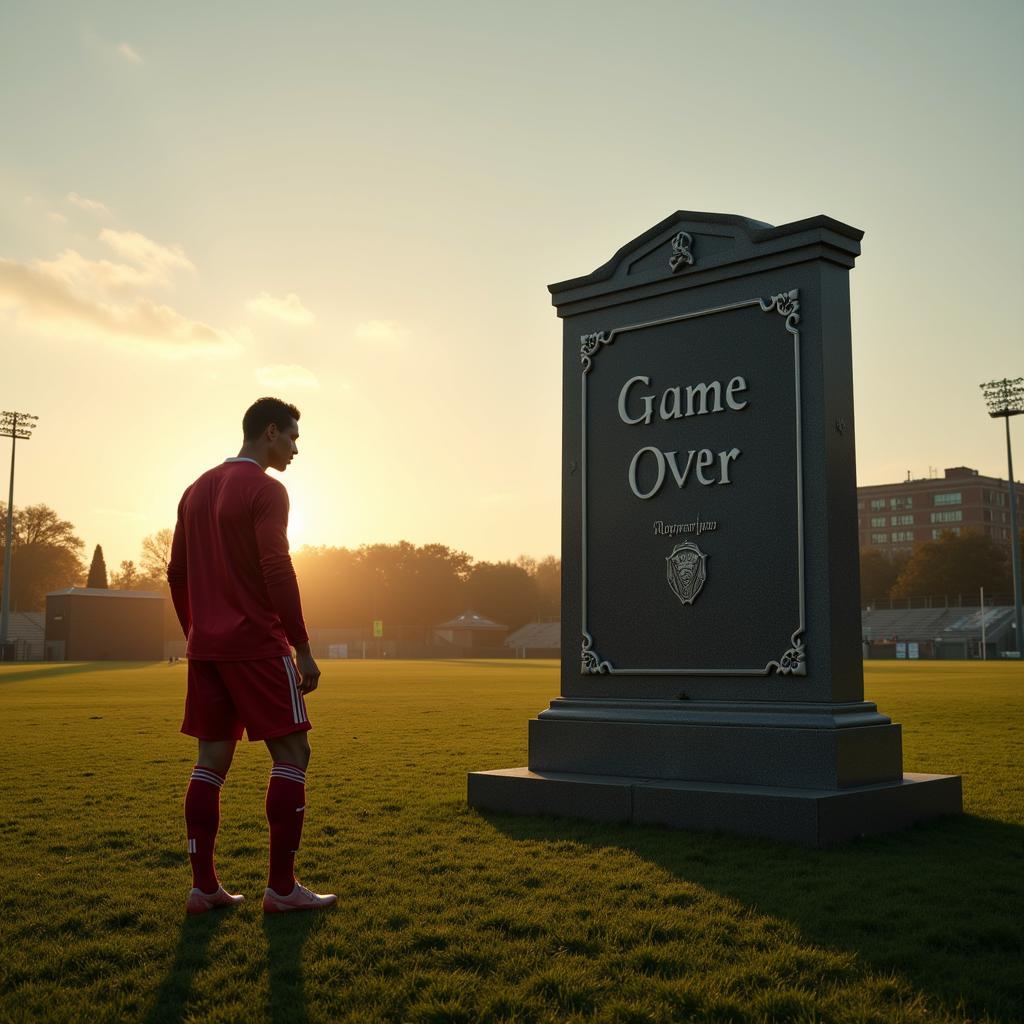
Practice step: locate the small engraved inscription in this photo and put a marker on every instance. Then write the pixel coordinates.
(698, 526)
(687, 571)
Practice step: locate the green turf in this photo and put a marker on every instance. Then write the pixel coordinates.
(449, 915)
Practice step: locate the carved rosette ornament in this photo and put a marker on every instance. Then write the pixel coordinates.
(681, 255)
(591, 661)
(794, 661)
(589, 344)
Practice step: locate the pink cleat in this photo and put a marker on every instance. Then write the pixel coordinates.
(199, 902)
(300, 898)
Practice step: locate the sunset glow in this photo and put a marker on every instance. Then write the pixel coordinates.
(359, 208)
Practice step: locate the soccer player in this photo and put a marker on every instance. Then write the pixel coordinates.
(236, 596)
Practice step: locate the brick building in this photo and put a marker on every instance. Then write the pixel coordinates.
(895, 517)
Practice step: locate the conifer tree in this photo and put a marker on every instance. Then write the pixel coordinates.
(98, 570)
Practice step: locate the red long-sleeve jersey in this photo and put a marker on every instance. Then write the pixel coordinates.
(230, 574)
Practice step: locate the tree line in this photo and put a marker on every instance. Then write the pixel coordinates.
(406, 584)
(952, 565)
(401, 584)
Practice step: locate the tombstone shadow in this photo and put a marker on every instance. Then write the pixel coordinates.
(286, 935)
(170, 1004)
(938, 904)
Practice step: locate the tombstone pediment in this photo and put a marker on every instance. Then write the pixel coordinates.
(702, 246)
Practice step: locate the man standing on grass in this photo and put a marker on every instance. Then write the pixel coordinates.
(236, 596)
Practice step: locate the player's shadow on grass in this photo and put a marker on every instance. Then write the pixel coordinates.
(48, 671)
(190, 957)
(938, 904)
(286, 934)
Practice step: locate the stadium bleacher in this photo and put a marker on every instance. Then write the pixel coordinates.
(948, 632)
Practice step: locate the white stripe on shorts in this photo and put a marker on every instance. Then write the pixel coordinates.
(298, 705)
(292, 692)
(298, 693)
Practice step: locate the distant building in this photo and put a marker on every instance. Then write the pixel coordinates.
(537, 640)
(470, 631)
(895, 517)
(89, 624)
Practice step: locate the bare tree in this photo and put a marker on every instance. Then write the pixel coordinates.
(156, 553)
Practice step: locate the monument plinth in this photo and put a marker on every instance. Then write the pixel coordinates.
(711, 661)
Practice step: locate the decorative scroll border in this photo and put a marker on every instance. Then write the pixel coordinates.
(794, 660)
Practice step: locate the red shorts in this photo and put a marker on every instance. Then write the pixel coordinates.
(262, 697)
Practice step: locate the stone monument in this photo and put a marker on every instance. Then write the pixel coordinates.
(711, 651)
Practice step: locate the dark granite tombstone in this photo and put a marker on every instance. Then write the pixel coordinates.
(711, 659)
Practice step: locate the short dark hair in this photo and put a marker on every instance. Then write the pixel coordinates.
(265, 411)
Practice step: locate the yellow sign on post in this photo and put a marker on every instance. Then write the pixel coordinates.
(378, 627)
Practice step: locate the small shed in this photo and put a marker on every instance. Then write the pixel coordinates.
(91, 624)
(470, 631)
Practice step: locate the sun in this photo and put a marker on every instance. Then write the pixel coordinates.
(297, 526)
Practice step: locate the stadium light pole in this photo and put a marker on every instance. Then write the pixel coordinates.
(15, 425)
(1005, 398)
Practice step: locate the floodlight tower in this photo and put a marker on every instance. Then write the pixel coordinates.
(15, 425)
(1005, 398)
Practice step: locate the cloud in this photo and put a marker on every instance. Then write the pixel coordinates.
(383, 331)
(290, 308)
(286, 375)
(75, 297)
(45, 302)
(153, 264)
(57, 218)
(129, 53)
(156, 259)
(89, 205)
(71, 267)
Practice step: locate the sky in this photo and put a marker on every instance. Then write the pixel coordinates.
(358, 207)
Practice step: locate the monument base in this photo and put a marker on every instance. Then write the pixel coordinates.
(812, 817)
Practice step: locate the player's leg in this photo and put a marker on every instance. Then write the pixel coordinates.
(210, 717)
(269, 702)
(286, 808)
(217, 754)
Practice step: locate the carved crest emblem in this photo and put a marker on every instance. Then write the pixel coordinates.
(687, 571)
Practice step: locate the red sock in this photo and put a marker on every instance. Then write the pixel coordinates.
(202, 819)
(286, 805)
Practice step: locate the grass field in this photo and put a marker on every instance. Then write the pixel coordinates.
(449, 915)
